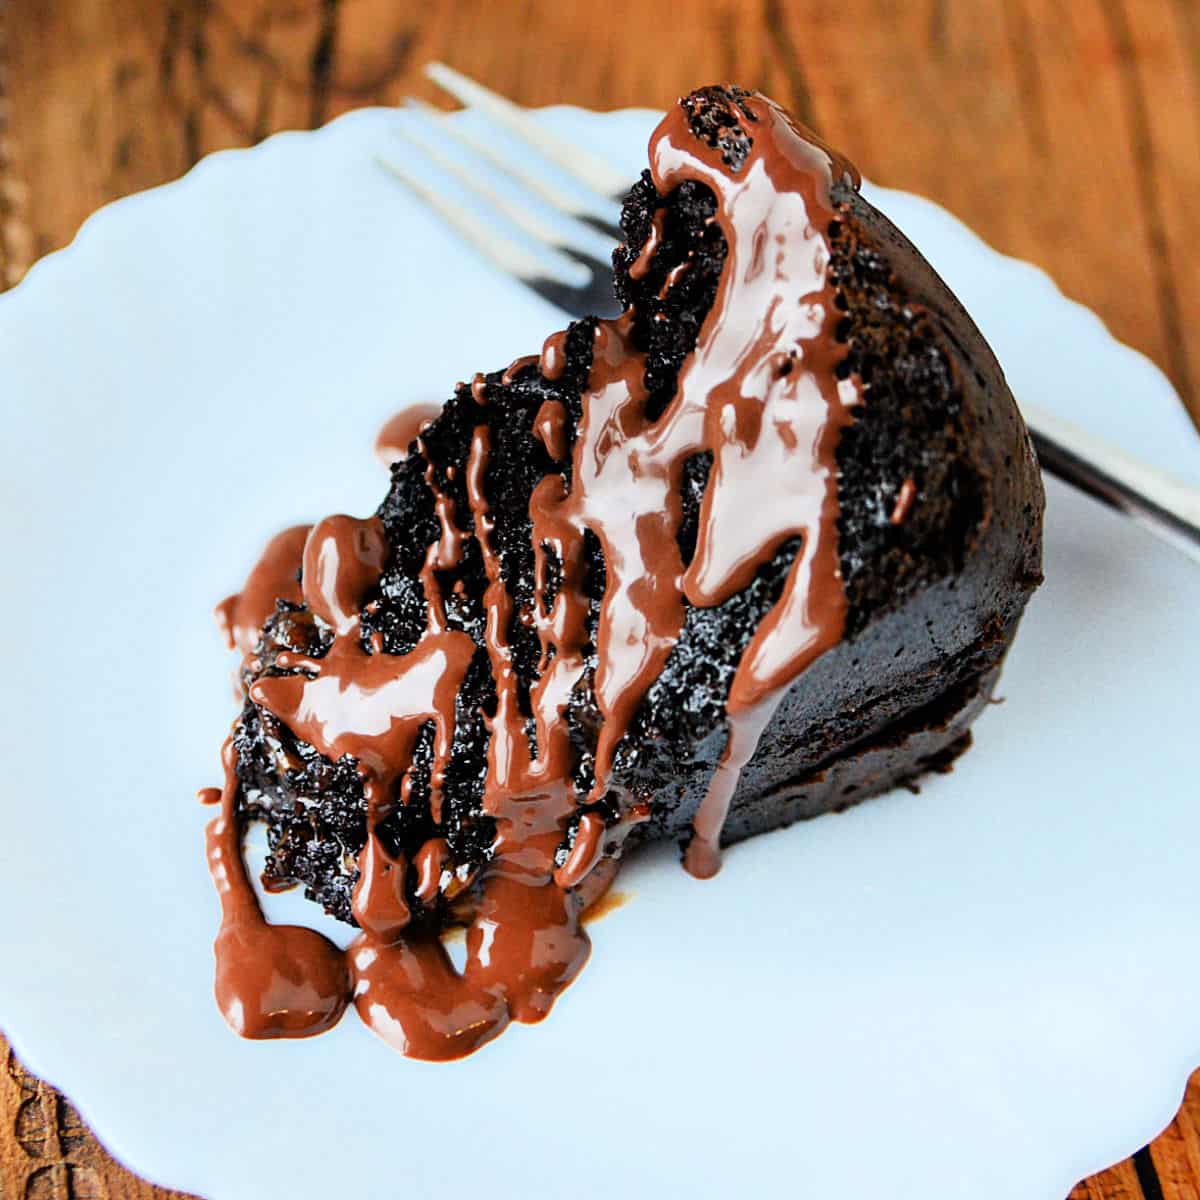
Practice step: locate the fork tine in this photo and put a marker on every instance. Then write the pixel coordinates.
(601, 177)
(504, 251)
(565, 231)
(596, 210)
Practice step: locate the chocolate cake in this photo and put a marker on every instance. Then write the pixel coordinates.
(751, 552)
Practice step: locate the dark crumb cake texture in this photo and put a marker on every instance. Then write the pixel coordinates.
(931, 505)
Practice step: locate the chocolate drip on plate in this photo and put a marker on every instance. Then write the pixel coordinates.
(759, 395)
(272, 980)
(276, 576)
(400, 431)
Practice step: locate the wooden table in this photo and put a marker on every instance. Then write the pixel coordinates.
(1064, 131)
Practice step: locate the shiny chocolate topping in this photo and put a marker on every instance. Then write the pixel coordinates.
(760, 394)
(272, 980)
(276, 576)
(400, 431)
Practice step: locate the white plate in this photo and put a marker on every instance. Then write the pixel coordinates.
(990, 989)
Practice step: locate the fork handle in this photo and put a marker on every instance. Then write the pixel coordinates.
(1163, 505)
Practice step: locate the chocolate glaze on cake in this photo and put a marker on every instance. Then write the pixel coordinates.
(749, 552)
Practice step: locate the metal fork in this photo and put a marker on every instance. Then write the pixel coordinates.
(555, 230)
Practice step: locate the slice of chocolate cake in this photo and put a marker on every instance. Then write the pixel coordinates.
(750, 552)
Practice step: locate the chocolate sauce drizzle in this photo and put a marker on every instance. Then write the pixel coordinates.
(276, 576)
(401, 430)
(759, 394)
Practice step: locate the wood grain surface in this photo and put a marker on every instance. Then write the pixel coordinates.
(1064, 131)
